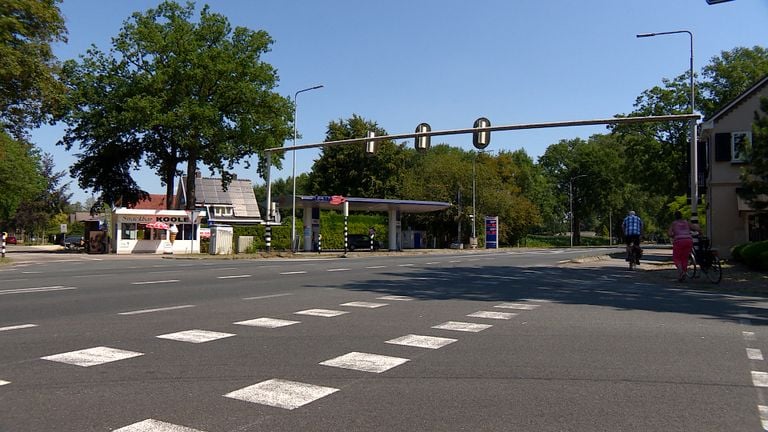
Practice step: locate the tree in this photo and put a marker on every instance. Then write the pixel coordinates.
(754, 176)
(730, 75)
(172, 91)
(347, 170)
(20, 177)
(29, 89)
(35, 214)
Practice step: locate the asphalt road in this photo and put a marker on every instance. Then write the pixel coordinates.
(499, 341)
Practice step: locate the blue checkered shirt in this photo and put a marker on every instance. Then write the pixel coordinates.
(632, 225)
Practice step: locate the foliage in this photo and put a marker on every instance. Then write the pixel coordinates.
(729, 75)
(755, 254)
(754, 177)
(20, 177)
(35, 213)
(172, 91)
(347, 170)
(29, 89)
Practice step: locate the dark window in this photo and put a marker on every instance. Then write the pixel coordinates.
(723, 147)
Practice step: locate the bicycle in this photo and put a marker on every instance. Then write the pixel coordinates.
(706, 259)
(634, 253)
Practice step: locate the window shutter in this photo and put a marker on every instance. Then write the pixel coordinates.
(723, 147)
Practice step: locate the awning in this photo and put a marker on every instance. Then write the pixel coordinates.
(158, 225)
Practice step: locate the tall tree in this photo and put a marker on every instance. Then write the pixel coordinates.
(29, 89)
(173, 91)
(730, 74)
(35, 214)
(20, 177)
(348, 170)
(754, 176)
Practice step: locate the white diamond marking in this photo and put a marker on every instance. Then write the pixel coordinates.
(195, 336)
(281, 393)
(267, 322)
(92, 356)
(365, 362)
(462, 326)
(492, 315)
(430, 342)
(151, 425)
(326, 313)
(363, 304)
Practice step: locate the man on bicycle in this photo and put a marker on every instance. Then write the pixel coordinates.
(633, 229)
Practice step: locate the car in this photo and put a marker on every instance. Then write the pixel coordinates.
(362, 242)
(74, 242)
(10, 240)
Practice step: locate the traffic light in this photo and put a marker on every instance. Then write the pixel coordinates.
(481, 139)
(423, 142)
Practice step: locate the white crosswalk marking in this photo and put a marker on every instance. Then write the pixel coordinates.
(520, 306)
(395, 298)
(462, 326)
(430, 342)
(362, 304)
(281, 393)
(151, 425)
(267, 322)
(326, 313)
(195, 336)
(754, 354)
(492, 315)
(365, 362)
(92, 356)
(760, 379)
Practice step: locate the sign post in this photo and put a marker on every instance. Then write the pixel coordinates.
(491, 232)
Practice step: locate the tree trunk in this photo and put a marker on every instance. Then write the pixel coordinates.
(191, 175)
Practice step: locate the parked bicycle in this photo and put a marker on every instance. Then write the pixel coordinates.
(704, 259)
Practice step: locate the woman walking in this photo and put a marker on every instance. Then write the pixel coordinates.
(680, 232)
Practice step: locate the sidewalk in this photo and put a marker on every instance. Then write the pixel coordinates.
(657, 266)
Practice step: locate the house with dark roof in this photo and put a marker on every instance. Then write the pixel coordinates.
(236, 205)
(730, 220)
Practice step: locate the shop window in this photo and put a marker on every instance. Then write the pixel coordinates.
(128, 231)
(159, 234)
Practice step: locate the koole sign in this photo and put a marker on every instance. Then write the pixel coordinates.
(148, 219)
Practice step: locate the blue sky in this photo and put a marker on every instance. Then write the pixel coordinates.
(448, 62)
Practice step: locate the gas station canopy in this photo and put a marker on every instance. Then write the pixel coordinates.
(334, 202)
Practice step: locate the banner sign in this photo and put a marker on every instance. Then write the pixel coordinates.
(491, 232)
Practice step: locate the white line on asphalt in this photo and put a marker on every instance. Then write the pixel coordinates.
(31, 272)
(760, 379)
(234, 276)
(281, 393)
(376, 267)
(433, 262)
(293, 272)
(752, 353)
(34, 290)
(365, 362)
(405, 265)
(18, 327)
(196, 336)
(454, 261)
(16, 280)
(154, 426)
(163, 309)
(92, 356)
(155, 282)
(763, 416)
(338, 269)
(267, 296)
(750, 336)
(3, 382)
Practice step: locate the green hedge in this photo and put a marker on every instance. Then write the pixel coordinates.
(331, 228)
(561, 241)
(754, 254)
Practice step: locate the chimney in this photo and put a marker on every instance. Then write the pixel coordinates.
(198, 174)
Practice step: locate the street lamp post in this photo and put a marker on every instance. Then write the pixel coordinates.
(294, 244)
(570, 197)
(694, 149)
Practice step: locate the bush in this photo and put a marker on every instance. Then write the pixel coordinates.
(736, 252)
(755, 254)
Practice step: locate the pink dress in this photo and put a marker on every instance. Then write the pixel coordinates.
(680, 231)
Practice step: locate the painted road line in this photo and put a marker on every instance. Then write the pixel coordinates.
(281, 393)
(760, 379)
(293, 272)
(234, 276)
(162, 309)
(35, 290)
(338, 269)
(429, 342)
(195, 336)
(433, 262)
(462, 326)
(395, 298)
(376, 267)
(752, 353)
(518, 306)
(155, 282)
(492, 315)
(363, 304)
(365, 362)
(17, 327)
(405, 265)
(267, 296)
(325, 313)
(152, 425)
(3, 382)
(92, 356)
(748, 336)
(763, 416)
(267, 322)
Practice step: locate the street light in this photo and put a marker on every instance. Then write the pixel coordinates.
(570, 196)
(694, 149)
(293, 165)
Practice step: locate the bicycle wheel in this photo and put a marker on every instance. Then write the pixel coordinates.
(715, 271)
(631, 258)
(692, 267)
